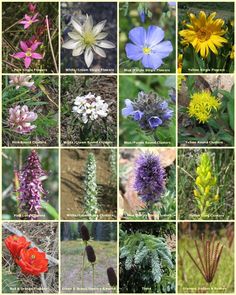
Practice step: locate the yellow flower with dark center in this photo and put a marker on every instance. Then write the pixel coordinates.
(201, 106)
(204, 33)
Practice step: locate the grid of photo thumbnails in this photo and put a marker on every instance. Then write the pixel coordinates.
(117, 141)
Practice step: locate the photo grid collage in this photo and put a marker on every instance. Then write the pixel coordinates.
(117, 147)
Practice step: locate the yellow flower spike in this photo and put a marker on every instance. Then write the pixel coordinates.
(204, 33)
(201, 105)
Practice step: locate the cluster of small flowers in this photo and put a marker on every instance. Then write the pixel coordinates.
(31, 187)
(19, 81)
(31, 261)
(149, 110)
(90, 107)
(30, 46)
(20, 119)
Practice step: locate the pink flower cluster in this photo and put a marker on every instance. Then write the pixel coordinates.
(30, 46)
(20, 119)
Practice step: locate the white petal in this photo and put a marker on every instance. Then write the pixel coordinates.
(101, 36)
(99, 51)
(99, 27)
(88, 25)
(70, 44)
(88, 56)
(78, 51)
(77, 27)
(105, 44)
(74, 35)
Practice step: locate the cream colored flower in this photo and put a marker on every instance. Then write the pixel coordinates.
(88, 39)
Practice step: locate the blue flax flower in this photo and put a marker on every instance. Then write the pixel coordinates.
(148, 46)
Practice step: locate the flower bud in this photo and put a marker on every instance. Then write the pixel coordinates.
(84, 233)
(90, 254)
(112, 278)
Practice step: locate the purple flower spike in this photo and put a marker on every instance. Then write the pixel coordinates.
(149, 178)
(31, 189)
(154, 122)
(148, 46)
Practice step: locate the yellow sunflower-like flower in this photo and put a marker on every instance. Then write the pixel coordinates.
(204, 33)
(201, 106)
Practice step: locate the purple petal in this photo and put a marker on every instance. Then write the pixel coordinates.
(137, 115)
(27, 61)
(23, 46)
(133, 52)
(163, 105)
(167, 115)
(151, 61)
(154, 121)
(35, 45)
(36, 55)
(163, 49)
(19, 55)
(129, 108)
(154, 36)
(138, 36)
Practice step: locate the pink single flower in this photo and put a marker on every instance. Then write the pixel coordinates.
(29, 20)
(32, 7)
(20, 119)
(32, 41)
(28, 53)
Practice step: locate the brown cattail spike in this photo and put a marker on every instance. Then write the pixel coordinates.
(84, 233)
(90, 254)
(112, 277)
(209, 258)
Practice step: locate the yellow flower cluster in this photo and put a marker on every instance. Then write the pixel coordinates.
(201, 106)
(205, 185)
(204, 33)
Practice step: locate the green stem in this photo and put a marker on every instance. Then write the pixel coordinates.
(83, 266)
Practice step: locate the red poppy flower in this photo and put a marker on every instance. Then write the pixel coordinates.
(33, 262)
(15, 244)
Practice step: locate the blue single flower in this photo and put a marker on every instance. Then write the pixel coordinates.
(167, 115)
(142, 16)
(148, 46)
(137, 115)
(154, 122)
(129, 109)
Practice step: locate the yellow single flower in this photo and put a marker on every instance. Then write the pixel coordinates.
(204, 33)
(201, 105)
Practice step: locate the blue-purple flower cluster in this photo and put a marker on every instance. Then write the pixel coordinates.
(149, 178)
(149, 110)
(31, 188)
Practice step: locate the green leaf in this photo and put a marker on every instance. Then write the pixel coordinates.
(50, 209)
(10, 282)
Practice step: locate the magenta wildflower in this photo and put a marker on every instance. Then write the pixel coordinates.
(31, 188)
(29, 20)
(33, 41)
(28, 53)
(149, 178)
(32, 7)
(20, 119)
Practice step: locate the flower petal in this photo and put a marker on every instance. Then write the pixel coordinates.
(101, 36)
(154, 36)
(99, 51)
(78, 51)
(23, 46)
(35, 45)
(70, 44)
(19, 54)
(105, 44)
(88, 56)
(88, 25)
(151, 61)
(138, 36)
(27, 61)
(74, 35)
(99, 27)
(77, 26)
(133, 52)
(37, 55)
(163, 49)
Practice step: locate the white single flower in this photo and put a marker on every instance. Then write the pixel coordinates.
(87, 38)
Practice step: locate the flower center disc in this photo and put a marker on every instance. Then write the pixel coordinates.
(89, 38)
(203, 34)
(146, 50)
(28, 53)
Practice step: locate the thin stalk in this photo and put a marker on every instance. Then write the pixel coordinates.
(93, 266)
(51, 47)
(83, 265)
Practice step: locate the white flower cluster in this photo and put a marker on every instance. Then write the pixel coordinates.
(90, 107)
